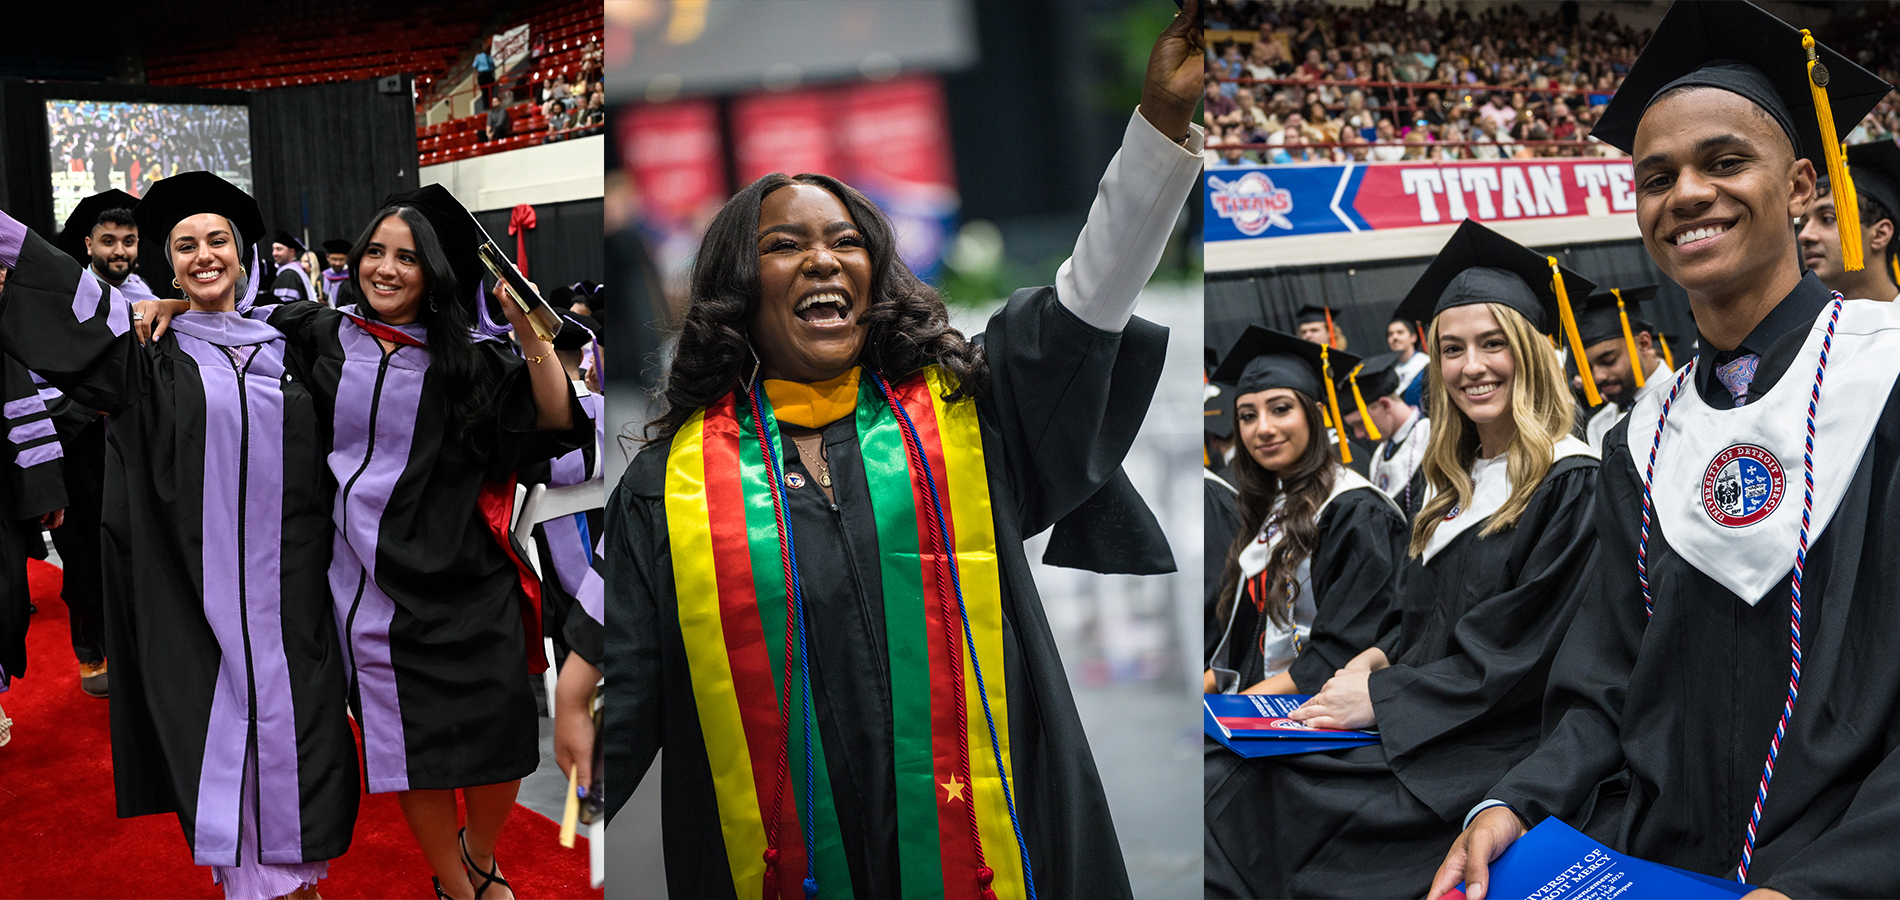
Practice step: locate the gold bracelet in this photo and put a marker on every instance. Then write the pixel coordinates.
(535, 359)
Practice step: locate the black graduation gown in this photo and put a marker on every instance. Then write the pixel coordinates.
(216, 530)
(1064, 404)
(572, 595)
(82, 437)
(1457, 707)
(1684, 708)
(428, 601)
(30, 486)
(1220, 515)
(1355, 575)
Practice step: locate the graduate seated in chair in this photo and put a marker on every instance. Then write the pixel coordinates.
(1728, 698)
(1496, 553)
(1311, 575)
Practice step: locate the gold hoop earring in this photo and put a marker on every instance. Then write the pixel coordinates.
(176, 285)
(241, 272)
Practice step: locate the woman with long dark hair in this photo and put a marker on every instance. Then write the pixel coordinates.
(227, 680)
(430, 416)
(818, 599)
(1312, 575)
(1500, 548)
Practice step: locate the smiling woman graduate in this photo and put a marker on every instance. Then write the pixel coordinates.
(818, 600)
(227, 680)
(1497, 551)
(1735, 654)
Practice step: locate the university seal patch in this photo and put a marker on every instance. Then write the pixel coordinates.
(1742, 485)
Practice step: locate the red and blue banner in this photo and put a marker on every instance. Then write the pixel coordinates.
(1248, 202)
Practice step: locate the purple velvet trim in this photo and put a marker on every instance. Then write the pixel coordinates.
(259, 576)
(12, 239)
(25, 406)
(257, 879)
(573, 563)
(359, 519)
(225, 329)
(31, 431)
(35, 456)
(86, 297)
(249, 299)
(135, 289)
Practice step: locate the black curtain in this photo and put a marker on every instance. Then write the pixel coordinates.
(1363, 295)
(324, 156)
(566, 245)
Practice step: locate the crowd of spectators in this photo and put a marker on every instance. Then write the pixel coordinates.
(1387, 83)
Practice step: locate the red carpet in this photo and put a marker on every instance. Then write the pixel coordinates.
(59, 836)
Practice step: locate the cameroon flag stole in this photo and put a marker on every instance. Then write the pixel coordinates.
(739, 619)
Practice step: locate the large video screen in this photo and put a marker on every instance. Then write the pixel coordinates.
(95, 146)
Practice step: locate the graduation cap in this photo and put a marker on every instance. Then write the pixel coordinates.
(1812, 92)
(172, 200)
(577, 332)
(1611, 313)
(1377, 376)
(1217, 412)
(283, 237)
(454, 229)
(1876, 173)
(561, 298)
(85, 216)
(1309, 313)
(1264, 359)
(336, 245)
(1479, 265)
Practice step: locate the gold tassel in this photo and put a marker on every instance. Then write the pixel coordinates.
(1570, 330)
(1629, 340)
(1895, 260)
(1332, 399)
(1846, 205)
(1329, 324)
(1359, 400)
(1669, 359)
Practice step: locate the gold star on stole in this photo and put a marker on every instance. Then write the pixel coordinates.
(954, 788)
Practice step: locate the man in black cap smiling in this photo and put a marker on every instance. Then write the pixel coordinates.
(336, 252)
(1745, 514)
(101, 234)
(1625, 358)
(291, 283)
(1876, 173)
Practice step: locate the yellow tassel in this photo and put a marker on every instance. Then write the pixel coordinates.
(1895, 260)
(1329, 325)
(1332, 401)
(1570, 330)
(1359, 400)
(1669, 359)
(1846, 205)
(1629, 340)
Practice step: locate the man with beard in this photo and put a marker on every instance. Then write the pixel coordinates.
(292, 283)
(1614, 335)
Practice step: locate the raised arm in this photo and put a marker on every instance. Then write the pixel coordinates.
(1141, 194)
(64, 324)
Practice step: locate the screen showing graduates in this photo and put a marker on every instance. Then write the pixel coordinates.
(1550, 390)
(101, 145)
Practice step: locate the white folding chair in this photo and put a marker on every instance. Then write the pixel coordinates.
(540, 503)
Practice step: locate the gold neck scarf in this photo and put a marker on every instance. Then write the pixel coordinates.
(813, 405)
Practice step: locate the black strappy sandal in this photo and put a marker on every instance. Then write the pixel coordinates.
(440, 894)
(490, 877)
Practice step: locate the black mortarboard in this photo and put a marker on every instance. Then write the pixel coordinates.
(1311, 313)
(1601, 319)
(1479, 265)
(1875, 169)
(80, 222)
(1377, 376)
(561, 298)
(1264, 359)
(336, 245)
(454, 227)
(1738, 47)
(1217, 412)
(172, 200)
(577, 331)
(285, 238)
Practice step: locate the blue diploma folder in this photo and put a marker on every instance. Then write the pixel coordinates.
(1254, 749)
(1264, 717)
(1556, 862)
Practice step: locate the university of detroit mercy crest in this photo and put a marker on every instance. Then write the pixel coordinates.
(1742, 485)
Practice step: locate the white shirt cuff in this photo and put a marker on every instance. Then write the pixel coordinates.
(1482, 807)
(1135, 208)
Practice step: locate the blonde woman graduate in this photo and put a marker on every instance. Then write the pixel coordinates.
(1498, 552)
